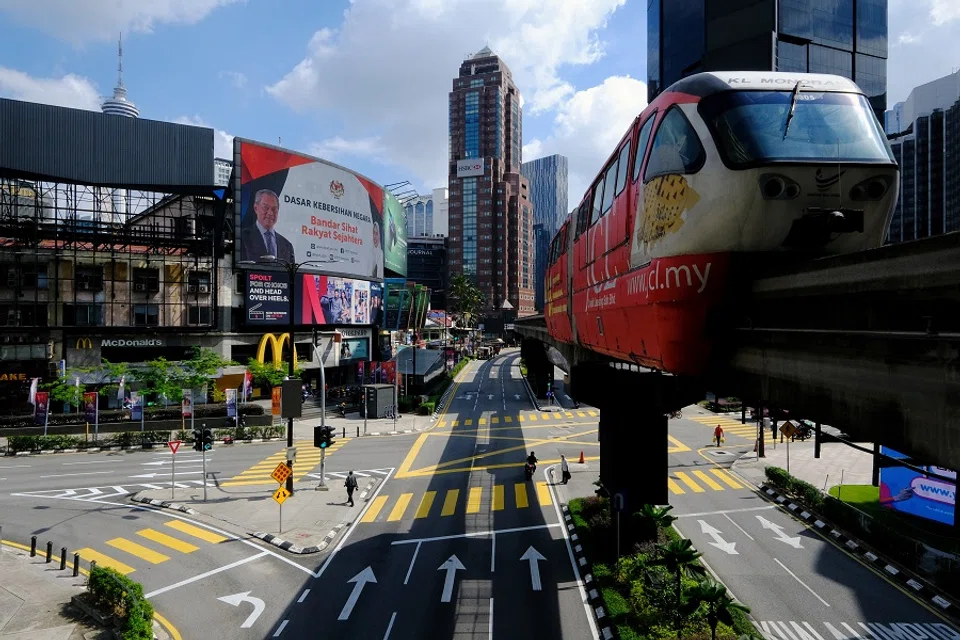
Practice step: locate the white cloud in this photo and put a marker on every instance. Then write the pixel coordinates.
(222, 141)
(66, 91)
(924, 44)
(80, 21)
(943, 11)
(337, 147)
(588, 127)
(235, 78)
(385, 72)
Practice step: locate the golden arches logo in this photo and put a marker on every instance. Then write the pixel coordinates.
(84, 343)
(276, 344)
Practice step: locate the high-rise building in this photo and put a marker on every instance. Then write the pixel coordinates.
(222, 169)
(427, 265)
(119, 105)
(427, 215)
(843, 37)
(924, 133)
(491, 216)
(548, 193)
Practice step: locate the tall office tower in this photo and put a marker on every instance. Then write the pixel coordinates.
(548, 193)
(924, 133)
(491, 216)
(842, 37)
(119, 105)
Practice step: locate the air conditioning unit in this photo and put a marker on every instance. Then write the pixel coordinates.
(204, 288)
(13, 318)
(84, 285)
(191, 288)
(140, 287)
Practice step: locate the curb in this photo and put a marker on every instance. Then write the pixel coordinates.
(593, 595)
(530, 394)
(163, 504)
(902, 577)
(156, 447)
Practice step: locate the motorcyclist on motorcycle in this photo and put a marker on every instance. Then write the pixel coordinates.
(532, 460)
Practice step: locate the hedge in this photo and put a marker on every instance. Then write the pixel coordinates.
(122, 597)
(106, 416)
(124, 439)
(802, 490)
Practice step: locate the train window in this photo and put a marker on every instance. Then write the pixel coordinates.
(583, 217)
(597, 201)
(676, 147)
(642, 145)
(610, 185)
(624, 166)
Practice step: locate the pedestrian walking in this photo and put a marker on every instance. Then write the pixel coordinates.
(564, 469)
(351, 484)
(718, 434)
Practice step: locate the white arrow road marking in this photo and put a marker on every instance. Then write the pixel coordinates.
(359, 580)
(164, 474)
(237, 598)
(718, 541)
(490, 396)
(534, 557)
(516, 396)
(451, 566)
(179, 461)
(793, 541)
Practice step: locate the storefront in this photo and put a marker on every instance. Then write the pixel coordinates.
(15, 377)
(89, 350)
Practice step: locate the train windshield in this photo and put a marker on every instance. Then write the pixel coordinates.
(750, 127)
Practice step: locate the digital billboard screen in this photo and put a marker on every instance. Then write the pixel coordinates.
(320, 299)
(905, 490)
(395, 234)
(299, 209)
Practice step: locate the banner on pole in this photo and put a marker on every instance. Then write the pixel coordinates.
(231, 395)
(275, 407)
(42, 405)
(136, 406)
(90, 406)
(186, 407)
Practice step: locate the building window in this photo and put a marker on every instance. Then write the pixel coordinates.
(198, 315)
(27, 276)
(89, 278)
(146, 315)
(23, 315)
(146, 280)
(83, 315)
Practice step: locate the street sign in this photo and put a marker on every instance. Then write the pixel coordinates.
(281, 494)
(788, 429)
(281, 473)
(291, 453)
(174, 445)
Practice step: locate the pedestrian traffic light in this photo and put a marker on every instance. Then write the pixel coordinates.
(207, 439)
(322, 437)
(197, 440)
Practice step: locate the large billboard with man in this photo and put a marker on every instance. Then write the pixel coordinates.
(299, 209)
(395, 234)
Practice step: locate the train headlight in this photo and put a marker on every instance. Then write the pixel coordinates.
(778, 187)
(871, 189)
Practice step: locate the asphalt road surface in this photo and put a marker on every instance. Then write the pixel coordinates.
(798, 585)
(457, 543)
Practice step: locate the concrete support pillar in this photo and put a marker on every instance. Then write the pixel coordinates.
(876, 464)
(633, 445)
(539, 367)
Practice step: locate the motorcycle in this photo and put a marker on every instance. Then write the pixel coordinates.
(529, 470)
(675, 415)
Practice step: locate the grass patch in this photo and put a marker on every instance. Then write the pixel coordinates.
(523, 368)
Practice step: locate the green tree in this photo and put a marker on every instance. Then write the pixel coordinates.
(679, 557)
(650, 519)
(106, 376)
(465, 297)
(720, 605)
(160, 378)
(196, 371)
(268, 374)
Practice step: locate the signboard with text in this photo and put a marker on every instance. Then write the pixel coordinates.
(905, 490)
(275, 401)
(320, 300)
(470, 168)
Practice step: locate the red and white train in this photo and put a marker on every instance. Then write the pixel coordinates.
(719, 164)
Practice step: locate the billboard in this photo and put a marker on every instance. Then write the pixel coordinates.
(395, 234)
(905, 490)
(470, 168)
(320, 299)
(299, 209)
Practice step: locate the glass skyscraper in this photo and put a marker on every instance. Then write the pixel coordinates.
(843, 37)
(548, 192)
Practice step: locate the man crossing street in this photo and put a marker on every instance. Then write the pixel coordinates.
(351, 484)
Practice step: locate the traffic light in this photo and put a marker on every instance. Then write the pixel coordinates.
(207, 439)
(197, 440)
(322, 437)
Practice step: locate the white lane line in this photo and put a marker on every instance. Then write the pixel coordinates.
(16, 466)
(493, 553)
(573, 562)
(303, 596)
(725, 511)
(86, 473)
(386, 636)
(283, 625)
(204, 575)
(69, 464)
(412, 560)
(490, 625)
(738, 526)
(478, 534)
(805, 585)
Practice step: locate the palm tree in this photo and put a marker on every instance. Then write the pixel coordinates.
(652, 518)
(679, 557)
(720, 606)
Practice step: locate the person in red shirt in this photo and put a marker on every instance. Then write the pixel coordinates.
(718, 434)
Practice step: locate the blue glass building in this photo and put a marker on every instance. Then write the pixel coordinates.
(843, 37)
(548, 192)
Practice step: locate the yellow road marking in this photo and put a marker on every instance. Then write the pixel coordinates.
(454, 423)
(687, 480)
(404, 469)
(726, 477)
(105, 561)
(507, 465)
(138, 550)
(425, 503)
(707, 480)
(397, 512)
(543, 494)
(581, 414)
(533, 417)
(497, 497)
(677, 446)
(520, 418)
(483, 421)
(374, 509)
(520, 493)
(196, 532)
(473, 499)
(166, 623)
(510, 419)
(167, 541)
(450, 502)
(672, 484)
(441, 424)
(494, 420)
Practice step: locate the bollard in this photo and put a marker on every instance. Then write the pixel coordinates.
(33, 546)
(358, 432)
(76, 565)
(49, 551)
(345, 431)
(63, 558)
(93, 566)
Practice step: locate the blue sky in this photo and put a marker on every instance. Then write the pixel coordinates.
(365, 83)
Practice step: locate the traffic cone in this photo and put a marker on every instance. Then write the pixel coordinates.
(581, 457)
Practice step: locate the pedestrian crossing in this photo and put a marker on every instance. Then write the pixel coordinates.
(731, 427)
(91, 494)
(699, 481)
(530, 416)
(469, 501)
(150, 546)
(308, 457)
(364, 473)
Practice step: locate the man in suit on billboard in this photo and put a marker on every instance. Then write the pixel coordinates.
(262, 239)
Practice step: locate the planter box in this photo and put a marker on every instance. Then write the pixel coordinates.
(80, 602)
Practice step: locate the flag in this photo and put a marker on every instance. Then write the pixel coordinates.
(32, 399)
(247, 384)
(120, 389)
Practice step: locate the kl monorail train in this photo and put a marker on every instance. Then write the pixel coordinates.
(720, 165)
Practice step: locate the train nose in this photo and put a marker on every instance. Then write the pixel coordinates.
(871, 189)
(778, 187)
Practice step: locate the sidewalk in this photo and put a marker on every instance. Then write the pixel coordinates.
(311, 520)
(35, 600)
(353, 423)
(838, 463)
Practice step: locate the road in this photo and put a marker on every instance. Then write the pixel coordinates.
(798, 585)
(457, 544)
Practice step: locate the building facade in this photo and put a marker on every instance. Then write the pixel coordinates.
(222, 169)
(427, 265)
(843, 37)
(548, 193)
(924, 133)
(491, 215)
(428, 215)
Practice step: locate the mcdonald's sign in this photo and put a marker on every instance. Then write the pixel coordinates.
(84, 343)
(276, 344)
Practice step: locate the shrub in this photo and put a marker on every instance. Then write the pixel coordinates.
(108, 416)
(778, 477)
(427, 408)
(124, 599)
(804, 491)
